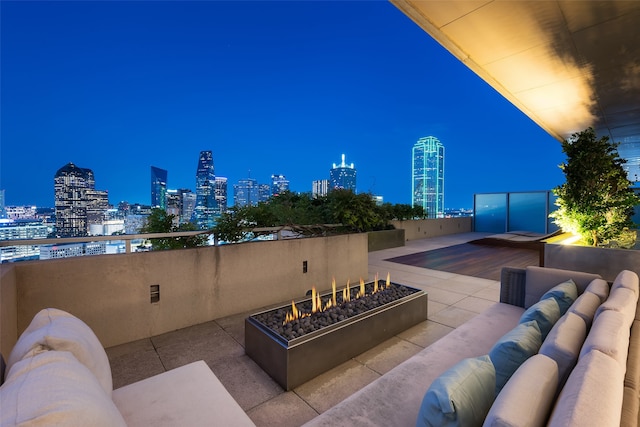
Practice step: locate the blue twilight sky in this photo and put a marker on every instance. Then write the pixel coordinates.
(270, 87)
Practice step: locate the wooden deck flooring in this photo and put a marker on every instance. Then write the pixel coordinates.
(471, 259)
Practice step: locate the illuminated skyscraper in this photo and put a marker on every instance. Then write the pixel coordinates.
(206, 206)
(158, 188)
(246, 192)
(220, 194)
(75, 193)
(279, 184)
(319, 188)
(342, 176)
(427, 176)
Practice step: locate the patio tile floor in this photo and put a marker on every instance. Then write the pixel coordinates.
(453, 299)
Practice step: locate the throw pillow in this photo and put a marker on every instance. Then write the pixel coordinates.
(53, 329)
(564, 342)
(545, 312)
(565, 294)
(510, 351)
(461, 396)
(527, 399)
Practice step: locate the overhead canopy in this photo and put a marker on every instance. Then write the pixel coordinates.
(567, 65)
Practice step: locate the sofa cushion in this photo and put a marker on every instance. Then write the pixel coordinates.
(600, 288)
(53, 388)
(527, 399)
(585, 307)
(565, 294)
(592, 395)
(622, 300)
(540, 279)
(632, 375)
(630, 408)
(563, 344)
(461, 396)
(545, 312)
(53, 329)
(510, 351)
(608, 335)
(626, 279)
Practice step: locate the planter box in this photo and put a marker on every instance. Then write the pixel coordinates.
(607, 262)
(294, 362)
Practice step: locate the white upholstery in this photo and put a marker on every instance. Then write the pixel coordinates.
(53, 388)
(564, 342)
(53, 329)
(592, 396)
(190, 395)
(527, 399)
(626, 279)
(585, 307)
(622, 300)
(609, 336)
(600, 288)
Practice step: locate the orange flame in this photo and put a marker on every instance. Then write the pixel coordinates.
(316, 301)
(360, 293)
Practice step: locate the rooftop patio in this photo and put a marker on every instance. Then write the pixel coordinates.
(453, 299)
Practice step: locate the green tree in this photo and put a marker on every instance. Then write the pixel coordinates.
(596, 202)
(161, 222)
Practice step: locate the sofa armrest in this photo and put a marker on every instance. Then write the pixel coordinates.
(512, 286)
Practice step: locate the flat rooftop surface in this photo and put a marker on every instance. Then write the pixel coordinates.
(453, 299)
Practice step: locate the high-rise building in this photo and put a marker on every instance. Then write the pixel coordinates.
(246, 192)
(3, 213)
(158, 188)
(72, 185)
(427, 176)
(342, 176)
(220, 193)
(206, 206)
(319, 188)
(97, 206)
(279, 184)
(264, 193)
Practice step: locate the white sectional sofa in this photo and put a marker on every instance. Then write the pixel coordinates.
(58, 374)
(584, 371)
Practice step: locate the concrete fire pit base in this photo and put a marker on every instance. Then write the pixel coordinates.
(294, 362)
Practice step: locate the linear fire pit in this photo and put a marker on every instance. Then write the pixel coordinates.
(292, 356)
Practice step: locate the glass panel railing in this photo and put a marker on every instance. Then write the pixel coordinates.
(490, 212)
(528, 212)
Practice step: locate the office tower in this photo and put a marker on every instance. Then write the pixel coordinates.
(319, 188)
(279, 184)
(97, 206)
(220, 193)
(71, 185)
(342, 176)
(174, 205)
(245, 192)
(206, 206)
(427, 184)
(264, 193)
(188, 205)
(158, 188)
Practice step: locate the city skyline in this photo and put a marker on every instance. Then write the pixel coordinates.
(270, 87)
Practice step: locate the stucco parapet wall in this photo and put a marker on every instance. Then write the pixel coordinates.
(423, 228)
(111, 293)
